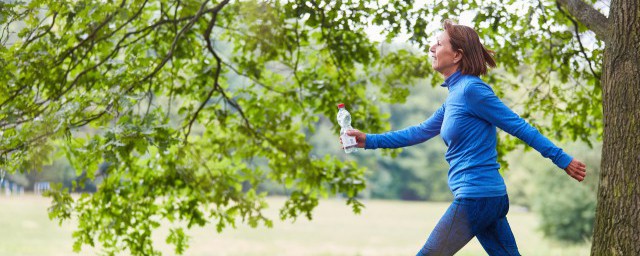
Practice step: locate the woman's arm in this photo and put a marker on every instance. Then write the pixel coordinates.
(483, 103)
(406, 137)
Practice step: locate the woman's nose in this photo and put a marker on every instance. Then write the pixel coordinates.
(432, 49)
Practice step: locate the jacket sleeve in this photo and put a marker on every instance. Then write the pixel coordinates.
(483, 103)
(408, 136)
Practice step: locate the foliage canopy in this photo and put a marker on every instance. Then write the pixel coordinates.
(190, 105)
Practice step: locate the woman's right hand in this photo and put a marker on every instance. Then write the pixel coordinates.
(361, 137)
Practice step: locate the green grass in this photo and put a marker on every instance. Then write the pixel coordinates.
(384, 228)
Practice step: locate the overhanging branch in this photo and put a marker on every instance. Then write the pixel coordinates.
(216, 86)
(588, 16)
(46, 31)
(92, 35)
(582, 50)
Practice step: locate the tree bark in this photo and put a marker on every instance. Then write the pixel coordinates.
(617, 224)
(588, 16)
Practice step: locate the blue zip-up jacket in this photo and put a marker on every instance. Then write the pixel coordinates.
(467, 123)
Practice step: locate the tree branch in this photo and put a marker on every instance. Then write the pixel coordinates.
(174, 44)
(31, 39)
(135, 16)
(297, 61)
(14, 95)
(15, 16)
(254, 80)
(216, 86)
(121, 44)
(92, 35)
(27, 143)
(582, 50)
(588, 16)
(192, 19)
(92, 118)
(93, 42)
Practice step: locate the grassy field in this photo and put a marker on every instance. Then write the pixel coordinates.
(384, 228)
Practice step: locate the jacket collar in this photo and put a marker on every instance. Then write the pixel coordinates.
(452, 79)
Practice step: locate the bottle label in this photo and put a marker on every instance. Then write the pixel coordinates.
(348, 141)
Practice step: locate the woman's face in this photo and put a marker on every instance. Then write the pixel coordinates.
(445, 59)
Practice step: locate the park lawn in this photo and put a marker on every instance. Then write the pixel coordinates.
(383, 228)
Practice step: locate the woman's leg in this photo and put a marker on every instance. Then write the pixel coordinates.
(468, 217)
(497, 238)
(452, 232)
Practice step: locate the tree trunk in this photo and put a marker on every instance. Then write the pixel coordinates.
(617, 224)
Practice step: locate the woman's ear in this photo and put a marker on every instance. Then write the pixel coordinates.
(457, 57)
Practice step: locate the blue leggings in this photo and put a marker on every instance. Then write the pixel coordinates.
(484, 218)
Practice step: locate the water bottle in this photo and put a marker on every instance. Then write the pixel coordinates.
(344, 120)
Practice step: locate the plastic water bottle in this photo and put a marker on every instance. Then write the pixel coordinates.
(344, 120)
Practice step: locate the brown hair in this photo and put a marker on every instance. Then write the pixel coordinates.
(475, 57)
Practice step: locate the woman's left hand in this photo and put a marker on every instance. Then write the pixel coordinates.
(576, 170)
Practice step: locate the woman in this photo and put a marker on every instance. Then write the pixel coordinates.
(467, 123)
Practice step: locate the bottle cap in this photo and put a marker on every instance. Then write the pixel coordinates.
(341, 105)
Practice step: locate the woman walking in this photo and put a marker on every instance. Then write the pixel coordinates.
(467, 123)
